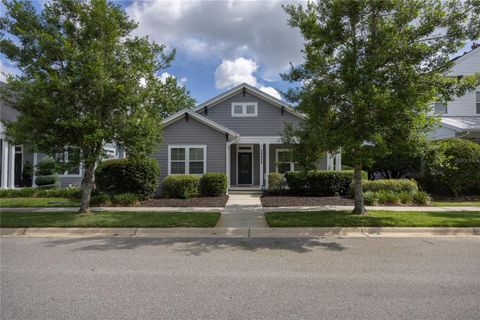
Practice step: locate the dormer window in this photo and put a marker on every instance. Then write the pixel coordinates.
(440, 107)
(244, 109)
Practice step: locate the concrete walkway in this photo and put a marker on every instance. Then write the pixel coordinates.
(243, 211)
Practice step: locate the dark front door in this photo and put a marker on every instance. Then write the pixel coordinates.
(244, 168)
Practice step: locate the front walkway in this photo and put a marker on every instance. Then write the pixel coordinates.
(243, 211)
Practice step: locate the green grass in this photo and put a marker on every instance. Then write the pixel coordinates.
(109, 219)
(374, 219)
(456, 203)
(38, 202)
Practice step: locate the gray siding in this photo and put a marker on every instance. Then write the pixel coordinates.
(322, 163)
(188, 133)
(269, 122)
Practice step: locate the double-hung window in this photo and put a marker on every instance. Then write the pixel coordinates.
(66, 157)
(284, 161)
(191, 159)
(477, 97)
(244, 109)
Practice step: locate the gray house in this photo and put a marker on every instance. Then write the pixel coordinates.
(238, 133)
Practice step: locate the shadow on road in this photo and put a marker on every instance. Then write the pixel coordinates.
(199, 246)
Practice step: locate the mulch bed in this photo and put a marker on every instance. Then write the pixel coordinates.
(220, 201)
(289, 201)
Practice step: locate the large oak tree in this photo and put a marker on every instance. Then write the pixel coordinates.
(372, 69)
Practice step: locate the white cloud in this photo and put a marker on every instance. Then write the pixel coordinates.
(163, 77)
(7, 68)
(222, 30)
(234, 72)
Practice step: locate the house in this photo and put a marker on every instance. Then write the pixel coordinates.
(14, 157)
(460, 118)
(237, 132)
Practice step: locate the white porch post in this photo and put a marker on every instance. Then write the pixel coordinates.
(262, 178)
(35, 160)
(267, 162)
(12, 166)
(4, 163)
(338, 161)
(227, 167)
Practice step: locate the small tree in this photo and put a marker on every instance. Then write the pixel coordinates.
(372, 69)
(85, 81)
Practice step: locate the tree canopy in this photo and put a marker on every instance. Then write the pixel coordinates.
(372, 69)
(85, 81)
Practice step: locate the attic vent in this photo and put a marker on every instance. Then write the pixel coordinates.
(283, 110)
(244, 91)
(186, 116)
(206, 110)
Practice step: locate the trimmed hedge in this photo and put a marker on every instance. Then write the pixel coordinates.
(276, 182)
(396, 185)
(320, 182)
(118, 176)
(182, 186)
(394, 197)
(41, 193)
(213, 184)
(46, 173)
(51, 180)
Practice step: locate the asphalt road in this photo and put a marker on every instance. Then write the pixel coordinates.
(126, 278)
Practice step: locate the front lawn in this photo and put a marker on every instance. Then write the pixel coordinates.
(374, 219)
(38, 202)
(111, 219)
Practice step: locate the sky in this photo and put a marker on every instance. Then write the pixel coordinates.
(219, 44)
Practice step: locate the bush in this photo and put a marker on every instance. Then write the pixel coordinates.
(213, 184)
(47, 181)
(406, 197)
(396, 185)
(276, 182)
(100, 199)
(320, 182)
(393, 197)
(27, 174)
(17, 193)
(59, 193)
(370, 198)
(139, 177)
(46, 167)
(420, 197)
(454, 165)
(124, 199)
(182, 186)
(388, 197)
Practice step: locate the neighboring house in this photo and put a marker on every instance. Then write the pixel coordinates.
(461, 117)
(238, 133)
(14, 157)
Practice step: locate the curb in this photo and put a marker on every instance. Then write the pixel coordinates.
(240, 232)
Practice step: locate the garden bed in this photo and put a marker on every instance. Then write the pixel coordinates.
(220, 201)
(292, 201)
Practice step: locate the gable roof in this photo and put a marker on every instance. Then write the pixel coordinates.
(257, 92)
(177, 116)
(461, 123)
(465, 54)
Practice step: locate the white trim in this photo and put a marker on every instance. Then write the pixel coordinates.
(260, 139)
(244, 113)
(267, 159)
(180, 114)
(187, 157)
(250, 150)
(65, 174)
(11, 153)
(274, 101)
(34, 176)
(292, 164)
(5, 148)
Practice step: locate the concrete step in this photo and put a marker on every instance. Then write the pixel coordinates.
(250, 192)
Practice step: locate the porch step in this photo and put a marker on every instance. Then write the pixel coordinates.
(257, 192)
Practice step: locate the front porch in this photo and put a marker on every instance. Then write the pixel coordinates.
(251, 159)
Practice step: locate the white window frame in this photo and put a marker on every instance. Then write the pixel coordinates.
(187, 157)
(245, 148)
(477, 102)
(72, 175)
(292, 164)
(435, 109)
(244, 109)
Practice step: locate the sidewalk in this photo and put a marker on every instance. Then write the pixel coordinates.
(333, 232)
(243, 211)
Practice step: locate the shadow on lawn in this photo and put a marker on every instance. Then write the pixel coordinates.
(199, 246)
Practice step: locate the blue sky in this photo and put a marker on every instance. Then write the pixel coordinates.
(219, 43)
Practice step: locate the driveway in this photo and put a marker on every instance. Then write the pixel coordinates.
(240, 278)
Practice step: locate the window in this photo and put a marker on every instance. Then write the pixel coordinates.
(440, 107)
(284, 161)
(64, 158)
(244, 109)
(478, 101)
(187, 159)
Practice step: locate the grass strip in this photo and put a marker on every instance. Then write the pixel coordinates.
(38, 202)
(109, 219)
(374, 219)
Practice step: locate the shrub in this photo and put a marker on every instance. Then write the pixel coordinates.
(396, 185)
(388, 197)
(59, 193)
(27, 174)
(420, 197)
(406, 197)
(139, 176)
(47, 181)
(183, 186)
(453, 164)
(100, 199)
(124, 199)
(276, 182)
(213, 184)
(370, 198)
(17, 193)
(46, 167)
(320, 182)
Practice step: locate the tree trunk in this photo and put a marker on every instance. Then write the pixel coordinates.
(87, 187)
(357, 187)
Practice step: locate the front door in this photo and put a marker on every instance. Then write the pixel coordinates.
(245, 168)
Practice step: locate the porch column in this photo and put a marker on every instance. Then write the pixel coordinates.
(262, 178)
(267, 162)
(5, 149)
(12, 166)
(338, 161)
(35, 160)
(227, 167)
